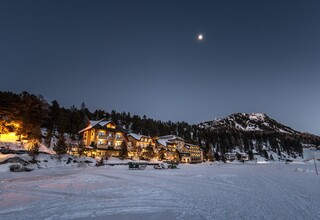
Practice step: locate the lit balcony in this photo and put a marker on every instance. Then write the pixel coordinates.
(102, 136)
(102, 146)
(119, 138)
(106, 137)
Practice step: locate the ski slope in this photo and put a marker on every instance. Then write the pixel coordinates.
(203, 191)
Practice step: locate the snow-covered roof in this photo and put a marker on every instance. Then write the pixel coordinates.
(93, 123)
(104, 123)
(138, 136)
(189, 145)
(171, 137)
(162, 142)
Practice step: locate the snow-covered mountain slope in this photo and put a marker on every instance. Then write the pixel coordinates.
(248, 122)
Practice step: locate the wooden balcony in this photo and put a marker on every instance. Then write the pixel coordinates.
(107, 147)
(102, 146)
(106, 137)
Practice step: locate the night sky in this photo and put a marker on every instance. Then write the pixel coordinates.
(144, 57)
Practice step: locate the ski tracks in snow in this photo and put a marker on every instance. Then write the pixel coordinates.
(228, 191)
(286, 196)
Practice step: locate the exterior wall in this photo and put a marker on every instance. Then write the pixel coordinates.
(172, 152)
(189, 153)
(107, 140)
(87, 137)
(185, 159)
(161, 149)
(132, 147)
(196, 154)
(143, 142)
(180, 145)
(137, 147)
(185, 156)
(101, 153)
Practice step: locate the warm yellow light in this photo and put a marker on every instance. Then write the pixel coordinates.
(110, 126)
(16, 124)
(9, 137)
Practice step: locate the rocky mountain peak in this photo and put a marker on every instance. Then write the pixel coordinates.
(248, 122)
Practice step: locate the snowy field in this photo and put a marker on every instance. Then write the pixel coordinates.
(203, 191)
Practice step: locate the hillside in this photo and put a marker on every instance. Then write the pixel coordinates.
(256, 132)
(27, 114)
(249, 122)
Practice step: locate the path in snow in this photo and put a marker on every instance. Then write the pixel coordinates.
(225, 191)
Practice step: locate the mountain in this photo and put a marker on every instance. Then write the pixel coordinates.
(255, 131)
(240, 131)
(249, 122)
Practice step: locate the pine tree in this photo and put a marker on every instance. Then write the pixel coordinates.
(149, 153)
(54, 116)
(123, 154)
(177, 155)
(250, 155)
(48, 137)
(81, 148)
(60, 147)
(266, 155)
(34, 151)
(217, 156)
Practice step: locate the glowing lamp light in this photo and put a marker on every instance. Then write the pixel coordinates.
(9, 137)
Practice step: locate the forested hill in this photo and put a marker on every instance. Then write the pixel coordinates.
(33, 112)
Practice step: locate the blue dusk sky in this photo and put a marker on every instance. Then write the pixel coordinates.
(144, 57)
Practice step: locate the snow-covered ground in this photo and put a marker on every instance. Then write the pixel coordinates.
(202, 191)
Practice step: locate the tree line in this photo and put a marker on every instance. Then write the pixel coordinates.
(34, 112)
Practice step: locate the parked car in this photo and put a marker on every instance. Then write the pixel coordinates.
(230, 156)
(159, 166)
(173, 166)
(136, 166)
(288, 161)
(244, 157)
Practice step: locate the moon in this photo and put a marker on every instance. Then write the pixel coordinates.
(200, 37)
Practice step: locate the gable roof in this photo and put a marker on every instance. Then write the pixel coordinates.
(138, 136)
(162, 142)
(171, 138)
(101, 124)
